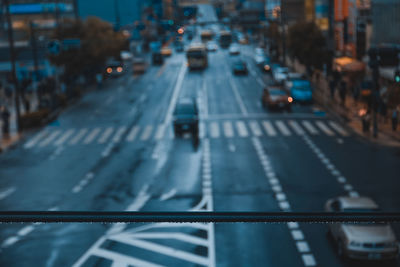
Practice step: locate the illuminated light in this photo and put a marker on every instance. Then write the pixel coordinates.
(290, 99)
(109, 70)
(180, 31)
(267, 67)
(119, 69)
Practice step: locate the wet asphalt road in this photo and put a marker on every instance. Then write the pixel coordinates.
(114, 150)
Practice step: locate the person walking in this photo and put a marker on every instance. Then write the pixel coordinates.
(99, 80)
(342, 92)
(5, 115)
(332, 88)
(395, 118)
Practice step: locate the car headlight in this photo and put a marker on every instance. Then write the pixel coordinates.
(355, 244)
(267, 67)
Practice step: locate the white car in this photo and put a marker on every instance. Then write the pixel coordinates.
(289, 79)
(234, 49)
(280, 74)
(364, 241)
(211, 46)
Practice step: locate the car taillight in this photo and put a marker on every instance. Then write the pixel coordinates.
(290, 99)
(109, 70)
(119, 69)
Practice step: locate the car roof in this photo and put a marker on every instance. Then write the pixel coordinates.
(186, 101)
(274, 88)
(357, 202)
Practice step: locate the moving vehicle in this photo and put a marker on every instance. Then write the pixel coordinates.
(266, 65)
(274, 97)
(139, 65)
(364, 241)
(179, 47)
(157, 58)
(185, 117)
(197, 56)
(225, 39)
(234, 49)
(280, 74)
(301, 91)
(206, 35)
(288, 83)
(239, 67)
(212, 46)
(114, 68)
(166, 51)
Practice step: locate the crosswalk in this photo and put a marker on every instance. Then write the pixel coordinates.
(208, 129)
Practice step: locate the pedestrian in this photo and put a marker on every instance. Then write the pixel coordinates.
(99, 80)
(332, 87)
(395, 119)
(27, 104)
(5, 115)
(356, 92)
(342, 92)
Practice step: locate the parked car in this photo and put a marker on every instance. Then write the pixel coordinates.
(166, 51)
(287, 84)
(275, 97)
(301, 90)
(114, 68)
(212, 46)
(279, 74)
(139, 65)
(186, 118)
(366, 241)
(239, 67)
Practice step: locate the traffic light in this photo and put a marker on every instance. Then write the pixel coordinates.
(397, 76)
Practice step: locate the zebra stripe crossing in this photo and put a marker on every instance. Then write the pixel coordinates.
(212, 129)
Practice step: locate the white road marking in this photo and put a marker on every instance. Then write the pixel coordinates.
(214, 130)
(26, 230)
(255, 128)
(118, 258)
(338, 128)
(269, 129)
(302, 246)
(260, 82)
(31, 143)
(202, 130)
(293, 225)
(132, 134)
(322, 126)
(173, 235)
(232, 148)
(10, 241)
(308, 260)
(175, 94)
(106, 152)
(7, 192)
(205, 96)
(64, 137)
(160, 131)
(310, 128)
(109, 100)
(78, 137)
(354, 194)
(297, 234)
(242, 130)
(132, 111)
(118, 135)
(50, 138)
(146, 133)
(168, 195)
(237, 96)
(228, 129)
(296, 127)
(282, 128)
(106, 134)
(91, 136)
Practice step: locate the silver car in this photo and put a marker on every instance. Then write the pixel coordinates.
(361, 241)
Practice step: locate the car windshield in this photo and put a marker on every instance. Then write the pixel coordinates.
(199, 132)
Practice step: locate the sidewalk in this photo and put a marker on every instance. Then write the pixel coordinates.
(350, 114)
(6, 143)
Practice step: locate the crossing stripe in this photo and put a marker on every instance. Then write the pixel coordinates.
(64, 137)
(338, 128)
(106, 134)
(50, 138)
(214, 130)
(31, 143)
(202, 130)
(269, 129)
(309, 127)
(228, 129)
(242, 130)
(146, 133)
(118, 135)
(296, 127)
(78, 137)
(282, 128)
(160, 131)
(91, 136)
(324, 128)
(132, 134)
(255, 128)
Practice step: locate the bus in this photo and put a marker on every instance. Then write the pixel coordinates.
(197, 56)
(206, 35)
(225, 39)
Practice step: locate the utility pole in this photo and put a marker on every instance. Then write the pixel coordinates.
(34, 50)
(12, 59)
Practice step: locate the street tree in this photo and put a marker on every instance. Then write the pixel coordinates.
(98, 42)
(307, 44)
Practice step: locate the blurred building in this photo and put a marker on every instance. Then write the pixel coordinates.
(385, 15)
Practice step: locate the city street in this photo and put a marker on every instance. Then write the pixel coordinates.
(115, 150)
